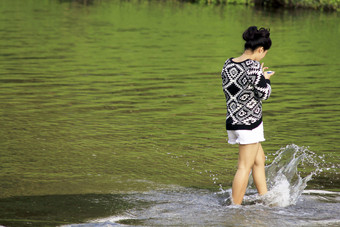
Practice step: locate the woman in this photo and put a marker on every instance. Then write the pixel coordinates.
(245, 85)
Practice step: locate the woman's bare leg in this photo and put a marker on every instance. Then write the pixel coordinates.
(259, 175)
(246, 160)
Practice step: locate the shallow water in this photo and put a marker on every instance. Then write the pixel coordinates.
(287, 203)
(120, 100)
(193, 207)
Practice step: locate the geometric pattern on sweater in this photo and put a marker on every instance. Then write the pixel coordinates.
(244, 87)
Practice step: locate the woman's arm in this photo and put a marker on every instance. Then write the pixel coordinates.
(260, 81)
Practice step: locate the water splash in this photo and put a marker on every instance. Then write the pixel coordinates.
(287, 177)
(285, 182)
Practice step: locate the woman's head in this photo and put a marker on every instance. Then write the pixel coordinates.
(256, 38)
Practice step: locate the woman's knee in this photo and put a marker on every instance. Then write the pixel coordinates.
(245, 166)
(247, 155)
(260, 160)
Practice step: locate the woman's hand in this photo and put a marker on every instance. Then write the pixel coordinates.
(267, 74)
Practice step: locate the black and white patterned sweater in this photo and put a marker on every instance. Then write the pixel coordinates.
(245, 87)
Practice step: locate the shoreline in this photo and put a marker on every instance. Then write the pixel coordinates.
(322, 5)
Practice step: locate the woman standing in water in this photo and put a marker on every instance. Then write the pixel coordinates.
(245, 85)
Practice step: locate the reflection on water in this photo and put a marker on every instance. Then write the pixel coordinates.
(175, 206)
(56, 210)
(125, 96)
(193, 207)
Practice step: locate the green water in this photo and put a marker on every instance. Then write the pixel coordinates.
(126, 96)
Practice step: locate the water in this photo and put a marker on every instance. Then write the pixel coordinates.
(110, 106)
(285, 204)
(201, 208)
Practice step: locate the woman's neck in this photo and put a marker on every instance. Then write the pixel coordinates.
(246, 55)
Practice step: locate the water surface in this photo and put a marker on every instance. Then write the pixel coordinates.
(116, 97)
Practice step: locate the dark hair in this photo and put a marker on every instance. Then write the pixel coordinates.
(257, 38)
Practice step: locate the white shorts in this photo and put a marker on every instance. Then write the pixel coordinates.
(246, 136)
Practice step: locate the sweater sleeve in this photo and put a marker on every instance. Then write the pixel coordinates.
(261, 85)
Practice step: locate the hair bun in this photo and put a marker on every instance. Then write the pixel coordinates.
(257, 37)
(250, 33)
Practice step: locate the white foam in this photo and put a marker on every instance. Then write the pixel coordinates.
(320, 192)
(331, 222)
(280, 194)
(111, 219)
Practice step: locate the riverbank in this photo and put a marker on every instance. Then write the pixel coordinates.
(325, 5)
